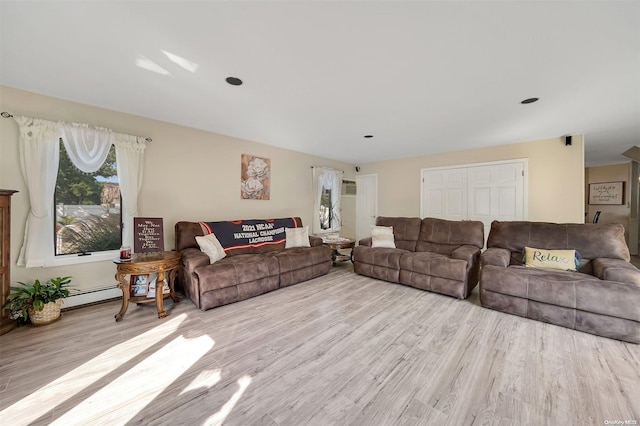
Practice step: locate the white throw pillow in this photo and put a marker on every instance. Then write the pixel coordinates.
(297, 237)
(210, 245)
(382, 236)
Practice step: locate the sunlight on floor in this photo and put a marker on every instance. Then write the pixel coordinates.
(66, 387)
(119, 401)
(219, 417)
(206, 379)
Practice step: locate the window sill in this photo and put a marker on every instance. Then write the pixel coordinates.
(76, 259)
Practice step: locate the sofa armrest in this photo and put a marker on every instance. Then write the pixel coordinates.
(496, 257)
(466, 252)
(365, 242)
(315, 241)
(192, 258)
(616, 270)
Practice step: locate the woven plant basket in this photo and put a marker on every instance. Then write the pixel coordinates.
(48, 314)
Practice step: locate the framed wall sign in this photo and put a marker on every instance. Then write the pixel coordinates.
(147, 235)
(606, 193)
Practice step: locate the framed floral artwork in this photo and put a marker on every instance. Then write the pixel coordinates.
(255, 177)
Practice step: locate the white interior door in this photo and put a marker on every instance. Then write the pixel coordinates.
(366, 204)
(444, 193)
(496, 192)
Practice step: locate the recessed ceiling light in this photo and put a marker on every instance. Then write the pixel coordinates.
(529, 101)
(368, 136)
(234, 81)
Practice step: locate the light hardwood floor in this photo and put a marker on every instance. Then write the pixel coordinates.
(341, 349)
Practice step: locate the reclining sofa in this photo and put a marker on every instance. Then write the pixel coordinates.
(602, 297)
(247, 270)
(431, 254)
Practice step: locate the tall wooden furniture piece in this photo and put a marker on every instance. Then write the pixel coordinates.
(5, 259)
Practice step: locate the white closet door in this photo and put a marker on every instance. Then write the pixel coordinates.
(496, 192)
(444, 193)
(484, 192)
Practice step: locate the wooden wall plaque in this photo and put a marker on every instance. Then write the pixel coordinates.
(148, 235)
(606, 193)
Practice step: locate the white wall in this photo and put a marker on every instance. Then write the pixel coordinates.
(556, 178)
(189, 175)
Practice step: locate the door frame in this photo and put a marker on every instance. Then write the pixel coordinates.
(525, 182)
(359, 194)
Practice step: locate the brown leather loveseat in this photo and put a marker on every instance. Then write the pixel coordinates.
(246, 271)
(602, 297)
(431, 254)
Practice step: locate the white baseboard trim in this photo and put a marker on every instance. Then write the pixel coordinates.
(91, 296)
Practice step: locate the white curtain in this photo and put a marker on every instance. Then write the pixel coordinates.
(129, 162)
(326, 178)
(88, 149)
(39, 156)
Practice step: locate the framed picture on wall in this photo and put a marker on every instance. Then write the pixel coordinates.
(606, 193)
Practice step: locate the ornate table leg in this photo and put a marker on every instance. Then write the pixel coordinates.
(123, 285)
(172, 279)
(159, 299)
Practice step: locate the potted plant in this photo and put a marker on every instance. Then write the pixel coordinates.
(36, 302)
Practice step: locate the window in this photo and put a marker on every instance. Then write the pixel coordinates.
(327, 186)
(326, 218)
(87, 207)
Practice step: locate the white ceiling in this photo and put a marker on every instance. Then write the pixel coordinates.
(422, 77)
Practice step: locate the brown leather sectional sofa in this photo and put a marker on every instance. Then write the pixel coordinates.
(245, 272)
(602, 297)
(431, 254)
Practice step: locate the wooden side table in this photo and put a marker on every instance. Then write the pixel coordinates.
(163, 263)
(339, 245)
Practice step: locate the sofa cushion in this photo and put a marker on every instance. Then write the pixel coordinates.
(379, 256)
(302, 264)
(186, 233)
(567, 289)
(382, 236)
(433, 264)
(302, 257)
(589, 239)
(444, 236)
(238, 269)
(589, 322)
(406, 230)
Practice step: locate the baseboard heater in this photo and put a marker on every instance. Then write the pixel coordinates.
(91, 297)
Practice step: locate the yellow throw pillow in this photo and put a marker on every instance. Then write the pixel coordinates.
(554, 259)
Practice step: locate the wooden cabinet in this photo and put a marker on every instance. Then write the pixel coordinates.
(5, 259)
